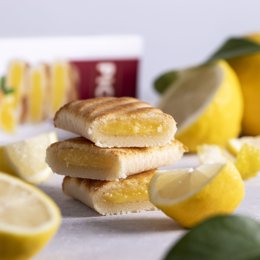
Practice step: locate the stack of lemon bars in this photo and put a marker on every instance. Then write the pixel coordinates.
(123, 141)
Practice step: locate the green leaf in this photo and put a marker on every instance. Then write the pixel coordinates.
(165, 80)
(235, 47)
(6, 90)
(219, 238)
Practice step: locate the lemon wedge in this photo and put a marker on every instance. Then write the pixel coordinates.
(28, 219)
(214, 154)
(26, 158)
(207, 104)
(247, 151)
(248, 161)
(191, 195)
(246, 158)
(234, 145)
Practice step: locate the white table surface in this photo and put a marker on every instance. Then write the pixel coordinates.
(86, 235)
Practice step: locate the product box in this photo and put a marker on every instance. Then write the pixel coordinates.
(38, 75)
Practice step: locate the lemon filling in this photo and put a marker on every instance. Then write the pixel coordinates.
(128, 191)
(79, 158)
(132, 127)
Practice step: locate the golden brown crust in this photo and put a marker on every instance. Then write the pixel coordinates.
(84, 144)
(79, 157)
(112, 197)
(94, 185)
(96, 108)
(90, 117)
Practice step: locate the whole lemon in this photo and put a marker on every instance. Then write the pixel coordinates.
(247, 69)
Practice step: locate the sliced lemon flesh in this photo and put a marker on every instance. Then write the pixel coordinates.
(248, 161)
(245, 154)
(28, 219)
(199, 101)
(214, 154)
(191, 195)
(234, 145)
(26, 159)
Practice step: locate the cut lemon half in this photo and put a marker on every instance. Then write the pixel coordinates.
(207, 104)
(191, 195)
(28, 219)
(26, 159)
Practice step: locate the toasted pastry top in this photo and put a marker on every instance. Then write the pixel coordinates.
(117, 122)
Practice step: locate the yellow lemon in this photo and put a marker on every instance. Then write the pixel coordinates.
(26, 159)
(214, 154)
(245, 153)
(248, 161)
(247, 150)
(207, 104)
(247, 69)
(28, 219)
(234, 145)
(189, 196)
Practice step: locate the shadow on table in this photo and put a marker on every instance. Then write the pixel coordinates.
(133, 223)
(68, 206)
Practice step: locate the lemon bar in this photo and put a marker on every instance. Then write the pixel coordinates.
(112, 197)
(117, 122)
(79, 157)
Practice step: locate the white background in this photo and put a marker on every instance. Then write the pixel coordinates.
(176, 32)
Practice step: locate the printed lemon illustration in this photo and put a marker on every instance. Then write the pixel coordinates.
(247, 69)
(28, 219)
(207, 104)
(26, 159)
(8, 120)
(37, 92)
(190, 196)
